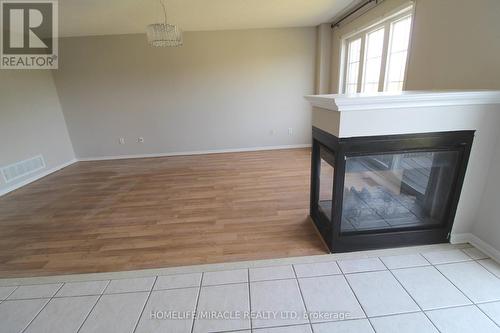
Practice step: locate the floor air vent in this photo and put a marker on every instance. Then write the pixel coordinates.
(23, 168)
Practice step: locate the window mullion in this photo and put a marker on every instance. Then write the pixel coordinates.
(361, 63)
(385, 53)
(346, 65)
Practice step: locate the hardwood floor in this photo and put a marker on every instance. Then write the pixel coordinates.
(159, 212)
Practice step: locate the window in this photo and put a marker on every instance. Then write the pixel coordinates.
(353, 65)
(375, 58)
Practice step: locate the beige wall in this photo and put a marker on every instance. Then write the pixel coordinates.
(221, 90)
(31, 121)
(455, 43)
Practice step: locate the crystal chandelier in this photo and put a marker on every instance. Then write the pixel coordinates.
(164, 34)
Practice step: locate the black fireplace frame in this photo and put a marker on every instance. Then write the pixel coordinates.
(459, 141)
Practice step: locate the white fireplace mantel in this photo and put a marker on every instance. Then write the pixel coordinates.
(402, 113)
(406, 99)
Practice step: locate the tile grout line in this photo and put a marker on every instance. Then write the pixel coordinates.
(145, 304)
(427, 260)
(6, 297)
(197, 302)
(280, 279)
(95, 294)
(93, 307)
(473, 303)
(229, 330)
(352, 319)
(488, 302)
(475, 259)
(106, 288)
(43, 307)
(357, 299)
(303, 299)
(272, 327)
(249, 300)
(407, 292)
(487, 316)
(486, 268)
(454, 285)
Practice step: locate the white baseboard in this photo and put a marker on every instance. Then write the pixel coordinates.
(30, 180)
(476, 242)
(460, 238)
(196, 152)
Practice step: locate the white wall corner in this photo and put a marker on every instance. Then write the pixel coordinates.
(461, 238)
(36, 177)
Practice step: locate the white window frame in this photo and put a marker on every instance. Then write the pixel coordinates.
(386, 24)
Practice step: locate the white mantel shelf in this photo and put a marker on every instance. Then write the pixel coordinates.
(406, 99)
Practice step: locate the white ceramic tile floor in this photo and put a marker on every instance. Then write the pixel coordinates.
(491, 265)
(446, 257)
(361, 265)
(473, 280)
(5, 292)
(115, 312)
(492, 310)
(63, 315)
(405, 261)
(176, 301)
(475, 253)
(87, 288)
(319, 269)
(35, 291)
(271, 273)
(178, 281)
(468, 319)
(274, 300)
(225, 277)
(330, 295)
(408, 323)
(223, 299)
(295, 297)
(130, 285)
(429, 288)
(381, 294)
(16, 315)
(350, 326)
(287, 329)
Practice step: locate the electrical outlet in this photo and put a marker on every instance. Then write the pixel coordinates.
(140, 139)
(290, 131)
(122, 141)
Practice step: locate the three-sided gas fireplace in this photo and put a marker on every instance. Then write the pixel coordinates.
(387, 191)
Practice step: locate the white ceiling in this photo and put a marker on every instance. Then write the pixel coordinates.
(109, 17)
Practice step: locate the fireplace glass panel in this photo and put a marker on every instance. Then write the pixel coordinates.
(326, 182)
(394, 191)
